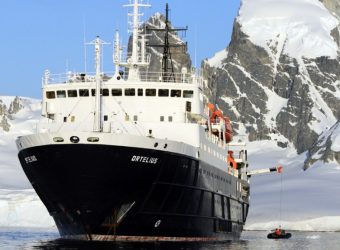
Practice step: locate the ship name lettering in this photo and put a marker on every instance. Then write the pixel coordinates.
(30, 159)
(144, 159)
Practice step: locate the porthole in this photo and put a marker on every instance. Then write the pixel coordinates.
(166, 145)
(156, 145)
(74, 139)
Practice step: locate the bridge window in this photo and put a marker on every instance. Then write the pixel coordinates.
(72, 93)
(140, 92)
(50, 94)
(170, 118)
(176, 93)
(105, 92)
(61, 93)
(162, 118)
(84, 92)
(163, 92)
(116, 92)
(188, 93)
(150, 92)
(130, 92)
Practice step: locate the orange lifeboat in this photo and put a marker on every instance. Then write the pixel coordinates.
(215, 116)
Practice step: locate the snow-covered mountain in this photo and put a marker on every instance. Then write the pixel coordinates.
(279, 81)
(279, 78)
(21, 116)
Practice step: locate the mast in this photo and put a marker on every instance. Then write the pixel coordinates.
(97, 112)
(168, 74)
(97, 125)
(136, 60)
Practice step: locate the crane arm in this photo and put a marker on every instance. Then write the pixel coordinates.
(265, 171)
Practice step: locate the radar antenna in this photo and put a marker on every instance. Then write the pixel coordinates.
(168, 74)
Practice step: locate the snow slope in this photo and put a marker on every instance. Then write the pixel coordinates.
(24, 122)
(302, 27)
(309, 198)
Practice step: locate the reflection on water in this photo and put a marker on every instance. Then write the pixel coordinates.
(28, 239)
(72, 245)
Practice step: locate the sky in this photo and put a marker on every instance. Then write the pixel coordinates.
(36, 35)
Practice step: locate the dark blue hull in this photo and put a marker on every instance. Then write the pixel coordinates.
(119, 191)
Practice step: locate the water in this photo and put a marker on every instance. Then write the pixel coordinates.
(35, 239)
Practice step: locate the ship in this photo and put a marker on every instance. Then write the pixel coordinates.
(136, 155)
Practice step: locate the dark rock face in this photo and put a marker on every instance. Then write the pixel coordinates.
(6, 113)
(15, 106)
(326, 148)
(333, 6)
(286, 99)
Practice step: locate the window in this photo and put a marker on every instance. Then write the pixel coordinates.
(73, 118)
(50, 94)
(116, 92)
(188, 107)
(65, 119)
(105, 92)
(72, 93)
(170, 119)
(150, 92)
(163, 92)
(84, 92)
(105, 118)
(176, 93)
(130, 92)
(93, 92)
(61, 93)
(162, 118)
(188, 93)
(140, 92)
(135, 118)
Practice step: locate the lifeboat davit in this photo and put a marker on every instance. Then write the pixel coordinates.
(215, 116)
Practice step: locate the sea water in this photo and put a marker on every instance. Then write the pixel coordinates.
(27, 239)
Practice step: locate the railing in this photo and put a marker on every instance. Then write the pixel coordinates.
(145, 76)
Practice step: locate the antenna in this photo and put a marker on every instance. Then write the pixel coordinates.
(84, 41)
(168, 74)
(195, 46)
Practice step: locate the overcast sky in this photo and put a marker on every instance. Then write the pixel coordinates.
(48, 34)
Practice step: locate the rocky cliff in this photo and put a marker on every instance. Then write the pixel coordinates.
(327, 147)
(279, 78)
(180, 56)
(8, 107)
